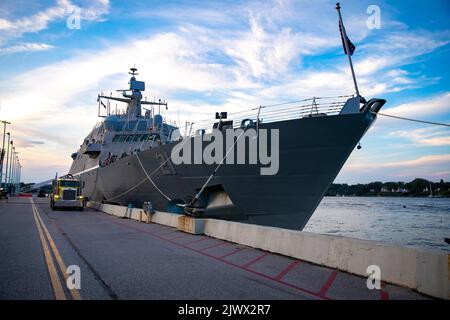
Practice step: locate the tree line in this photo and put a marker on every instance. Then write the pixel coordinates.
(416, 188)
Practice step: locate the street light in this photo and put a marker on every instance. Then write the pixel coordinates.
(16, 166)
(12, 180)
(13, 167)
(13, 149)
(19, 171)
(2, 154)
(7, 161)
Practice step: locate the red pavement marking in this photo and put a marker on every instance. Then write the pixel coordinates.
(171, 233)
(164, 231)
(197, 240)
(230, 253)
(248, 264)
(184, 235)
(328, 284)
(283, 272)
(384, 295)
(316, 294)
(213, 246)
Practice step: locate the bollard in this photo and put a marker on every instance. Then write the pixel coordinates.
(148, 209)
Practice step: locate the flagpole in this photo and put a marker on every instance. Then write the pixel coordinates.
(347, 49)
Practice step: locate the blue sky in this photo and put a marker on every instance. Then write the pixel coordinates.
(227, 55)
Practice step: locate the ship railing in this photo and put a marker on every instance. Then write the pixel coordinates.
(311, 107)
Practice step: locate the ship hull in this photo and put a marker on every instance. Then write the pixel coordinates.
(312, 151)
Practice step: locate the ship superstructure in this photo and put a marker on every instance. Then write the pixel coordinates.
(121, 134)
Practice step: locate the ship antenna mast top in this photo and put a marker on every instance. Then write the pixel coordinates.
(133, 71)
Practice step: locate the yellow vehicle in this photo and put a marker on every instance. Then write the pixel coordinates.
(66, 193)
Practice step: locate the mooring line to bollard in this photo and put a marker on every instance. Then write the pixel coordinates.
(197, 196)
(413, 120)
(150, 179)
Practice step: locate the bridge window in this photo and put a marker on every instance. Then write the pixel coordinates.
(122, 138)
(154, 136)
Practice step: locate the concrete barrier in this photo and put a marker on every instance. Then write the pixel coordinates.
(191, 225)
(164, 218)
(426, 271)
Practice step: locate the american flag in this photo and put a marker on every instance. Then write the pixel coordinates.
(351, 46)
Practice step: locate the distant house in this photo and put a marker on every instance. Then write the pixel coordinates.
(393, 190)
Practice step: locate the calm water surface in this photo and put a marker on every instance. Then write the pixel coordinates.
(419, 222)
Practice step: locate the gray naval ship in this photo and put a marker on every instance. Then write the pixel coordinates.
(127, 158)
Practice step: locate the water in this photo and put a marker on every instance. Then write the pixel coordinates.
(418, 222)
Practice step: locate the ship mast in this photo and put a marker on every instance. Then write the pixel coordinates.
(134, 98)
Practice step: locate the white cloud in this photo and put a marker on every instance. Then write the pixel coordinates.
(425, 136)
(420, 161)
(26, 47)
(433, 167)
(40, 21)
(426, 107)
(381, 60)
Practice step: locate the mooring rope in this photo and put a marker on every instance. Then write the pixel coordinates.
(125, 192)
(414, 120)
(150, 179)
(146, 178)
(197, 196)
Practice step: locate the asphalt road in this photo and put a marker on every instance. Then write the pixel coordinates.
(125, 259)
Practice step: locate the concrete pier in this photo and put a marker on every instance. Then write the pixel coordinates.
(122, 258)
(426, 271)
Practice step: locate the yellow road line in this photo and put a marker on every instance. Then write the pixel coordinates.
(62, 266)
(56, 284)
(74, 292)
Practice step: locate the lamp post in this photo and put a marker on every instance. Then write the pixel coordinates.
(13, 168)
(2, 154)
(16, 174)
(19, 172)
(13, 149)
(14, 171)
(7, 160)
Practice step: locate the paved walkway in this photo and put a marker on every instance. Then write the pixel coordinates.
(125, 259)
